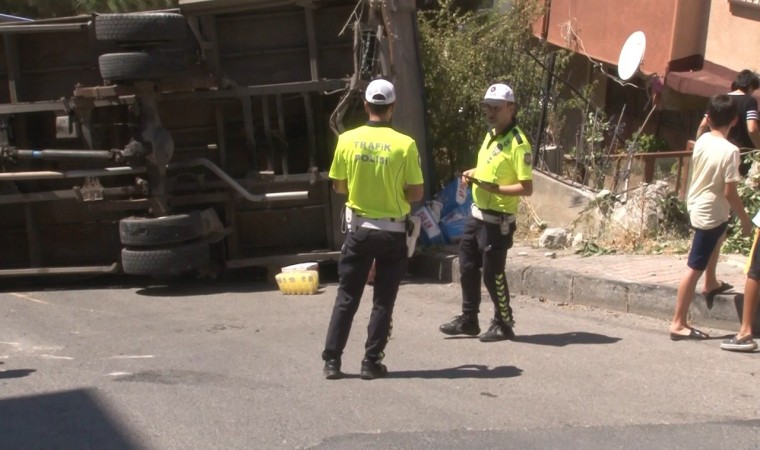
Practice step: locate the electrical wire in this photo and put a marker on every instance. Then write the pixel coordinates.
(353, 17)
(569, 35)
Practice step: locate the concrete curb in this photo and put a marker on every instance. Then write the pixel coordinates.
(653, 300)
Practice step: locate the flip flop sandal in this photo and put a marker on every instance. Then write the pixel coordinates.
(724, 287)
(694, 334)
(745, 344)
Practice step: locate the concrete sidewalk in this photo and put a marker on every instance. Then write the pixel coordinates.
(639, 284)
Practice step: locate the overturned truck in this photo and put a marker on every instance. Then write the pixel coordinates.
(189, 140)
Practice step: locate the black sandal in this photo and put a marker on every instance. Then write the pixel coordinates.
(694, 334)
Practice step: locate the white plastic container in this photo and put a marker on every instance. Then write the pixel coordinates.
(434, 208)
(461, 191)
(301, 266)
(429, 226)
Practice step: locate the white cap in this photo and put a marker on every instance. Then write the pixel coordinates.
(380, 92)
(499, 93)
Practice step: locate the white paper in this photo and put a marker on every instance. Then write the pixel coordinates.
(756, 219)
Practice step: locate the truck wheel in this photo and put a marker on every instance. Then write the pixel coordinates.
(134, 66)
(137, 28)
(150, 231)
(174, 260)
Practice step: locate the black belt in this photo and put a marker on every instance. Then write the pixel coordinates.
(392, 219)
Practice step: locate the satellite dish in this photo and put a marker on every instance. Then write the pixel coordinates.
(631, 55)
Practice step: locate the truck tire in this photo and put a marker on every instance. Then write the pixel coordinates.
(174, 260)
(157, 231)
(138, 28)
(135, 66)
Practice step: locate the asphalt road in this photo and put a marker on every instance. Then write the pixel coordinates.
(119, 363)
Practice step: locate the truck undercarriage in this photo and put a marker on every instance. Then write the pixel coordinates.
(173, 142)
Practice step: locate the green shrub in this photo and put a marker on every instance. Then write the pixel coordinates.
(463, 53)
(649, 143)
(750, 195)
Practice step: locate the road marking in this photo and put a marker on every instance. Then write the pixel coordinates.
(55, 357)
(130, 356)
(13, 344)
(41, 348)
(28, 297)
(119, 374)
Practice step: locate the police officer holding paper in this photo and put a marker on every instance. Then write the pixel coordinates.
(503, 174)
(379, 169)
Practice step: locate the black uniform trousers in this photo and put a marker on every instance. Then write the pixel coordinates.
(483, 246)
(388, 250)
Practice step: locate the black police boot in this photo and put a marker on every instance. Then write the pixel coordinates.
(464, 324)
(332, 369)
(372, 369)
(498, 331)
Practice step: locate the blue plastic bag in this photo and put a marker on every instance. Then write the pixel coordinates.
(450, 199)
(452, 224)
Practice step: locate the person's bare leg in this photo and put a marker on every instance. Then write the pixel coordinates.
(686, 289)
(711, 279)
(751, 291)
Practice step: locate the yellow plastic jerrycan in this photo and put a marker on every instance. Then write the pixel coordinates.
(298, 282)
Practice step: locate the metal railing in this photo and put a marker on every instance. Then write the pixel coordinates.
(616, 171)
(681, 181)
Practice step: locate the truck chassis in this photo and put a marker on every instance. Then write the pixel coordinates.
(187, 141)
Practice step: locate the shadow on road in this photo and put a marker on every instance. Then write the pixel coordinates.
(68, 419)
(70, 283)
(15, 373)
(464, 371)
(235, 281)
(563, 339)
(194, 288)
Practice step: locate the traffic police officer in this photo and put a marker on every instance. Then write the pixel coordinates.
(379, 169)
(502, 175)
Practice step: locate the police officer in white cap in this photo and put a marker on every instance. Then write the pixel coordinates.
(379, 169)
(503, 174)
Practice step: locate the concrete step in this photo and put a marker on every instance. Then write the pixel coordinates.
(638, 284)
